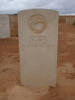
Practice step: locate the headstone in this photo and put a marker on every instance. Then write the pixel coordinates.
(38, 36)
(4, 26)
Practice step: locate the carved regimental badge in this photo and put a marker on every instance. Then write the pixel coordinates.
(37, 23)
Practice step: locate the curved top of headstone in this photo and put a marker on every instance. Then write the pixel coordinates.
(50, 10)
(37, 21)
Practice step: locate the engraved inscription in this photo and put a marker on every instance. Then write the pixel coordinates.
(37, 23)
(37, 41)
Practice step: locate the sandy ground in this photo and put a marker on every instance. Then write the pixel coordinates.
(10, 85)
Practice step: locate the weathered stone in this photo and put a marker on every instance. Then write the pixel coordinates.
(38, 36)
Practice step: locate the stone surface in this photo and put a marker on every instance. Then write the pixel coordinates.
(38, 36)
(4, 26)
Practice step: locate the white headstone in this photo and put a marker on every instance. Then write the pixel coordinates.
(4, 26)
(38, 36)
